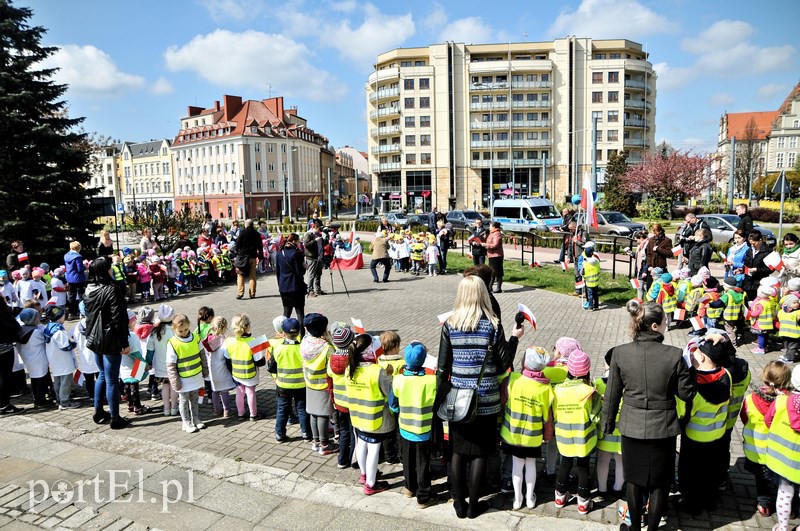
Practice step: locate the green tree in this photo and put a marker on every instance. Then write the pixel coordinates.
(616, 196)
(43, 196)
(166, 225)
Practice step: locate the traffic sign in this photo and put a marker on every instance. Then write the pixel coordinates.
(320, 203)
(121, 208)
(782, 184)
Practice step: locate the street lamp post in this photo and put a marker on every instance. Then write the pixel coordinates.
(244, 199)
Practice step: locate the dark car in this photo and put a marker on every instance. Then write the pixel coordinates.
(415, 220)
(462, 219)
(368, 217)
(614, 223)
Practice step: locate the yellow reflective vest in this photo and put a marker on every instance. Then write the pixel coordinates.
(415, 395)
(576, 433)
(527, 409)
(766, 318)
(783, 444)
(290, 366)
(706, 420)
(609, 442)
(788, 324)
(188, 352)
(755, 434)
(591, 272)
(733, 310)
(339, 386)
(669, 302)
(396, 364)
(242, 364)
(315, 371)
(556, 374)
(738, 391)
(365, 398)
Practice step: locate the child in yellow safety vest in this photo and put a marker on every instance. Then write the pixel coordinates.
(576, 409)
(789, 328)
(186, 367)
(667, 296)
(556, 372)
(783, 448)
(609, 446)
(732, 302)
(775, 379)
(703, 433)
(244, 366)
(286, 363)
(342, 337)
(527, 422)
(762, 317)
(589, 267)
(708, 308)
(219, 371)
(412, 397)
(390, 343)
(315, 348)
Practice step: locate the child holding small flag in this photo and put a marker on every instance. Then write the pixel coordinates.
(245, 360)
(157, 352)
(133, 369)
(762, 317)
(86, 357)
(60, 356)
(390, 344)
(732, 302)
(218, 371)
(33, 351)
(186, 367)
(58, 287)
(589, 267)
(711, 311)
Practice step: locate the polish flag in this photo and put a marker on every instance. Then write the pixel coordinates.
(137, 371)
(377, 348)
(679, 314)
(430, 364)
(697, 323)
(587, 202)
(52, 301)
(747, 271)
(704, 299)
(201, 395)
(178, 284)
(258, 344)
(469, 255)
(352, 235)
(444, 317)
(534, 264)
(773, 261)
(580, 284)
(746, 312)
(78, 378)
(677, 250)
(22, 257)
(527, 314)
(358, 326)
(563, 266)
(636, 283)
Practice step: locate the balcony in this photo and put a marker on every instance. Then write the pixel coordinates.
(638, 85)
(386, 148)
(530, 143)
(385, 93)
(634, 160)
(488, 144)
(385, 166)
(386, 111)
(636, 104)
(531, 124)
(383, 131)
(635, 142)
(489, 106)
(517, 65)
(636, 122)
(531, 84)
(383, 75)
(530, 104)
(488, 86)
(486, 126)
(516, 163)
(489, 163)
(534, 163)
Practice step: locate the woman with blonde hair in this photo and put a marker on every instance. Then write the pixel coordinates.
(105, 247)
(473, 351)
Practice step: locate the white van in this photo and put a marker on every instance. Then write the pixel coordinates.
(526, 215)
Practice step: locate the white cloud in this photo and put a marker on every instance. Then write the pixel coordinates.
(436, 19)
(470, 30)
(90, 72)
(719, 36)
(769, 91)
(377, 33)
(240, 10)
(746, 59)
(345, 6)
(162, 86)
(721, 99)
(250, 60)
(671, 78)
(610, 19)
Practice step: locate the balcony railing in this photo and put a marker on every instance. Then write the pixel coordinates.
(636, 122)
(386, 166)
(386, 148)
(531, 84)
(637, 104)
(386, 111)
(636, 84)
(535, 163)
(386, 130)
(489, 106)
(505, 163)
(487, 144)
(385, 93)
(530, 104)
(488, 86)
(497, 163)
(531, 124)
(635, 142)
(530, 143)
(488, 125)
(634, 160)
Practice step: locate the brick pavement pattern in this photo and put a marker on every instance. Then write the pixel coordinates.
(409, 305)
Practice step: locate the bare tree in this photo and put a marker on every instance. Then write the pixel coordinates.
(748, 157)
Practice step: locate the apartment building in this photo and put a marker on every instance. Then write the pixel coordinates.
(783, 149)
(450, 122)
(104, 171)
(147, 182)
(250, 158)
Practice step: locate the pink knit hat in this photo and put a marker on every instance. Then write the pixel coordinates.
(578, 364)
(566, 346)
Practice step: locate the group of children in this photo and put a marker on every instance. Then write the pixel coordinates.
(38, 284)
(414, 253)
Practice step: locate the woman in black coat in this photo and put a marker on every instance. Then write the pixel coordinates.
(701, 252)
(289, 271)
(754, 264)
(107, 336)
(650, 375)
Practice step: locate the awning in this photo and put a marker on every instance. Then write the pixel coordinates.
(395, 196)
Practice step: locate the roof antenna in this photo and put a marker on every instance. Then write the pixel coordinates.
(269, 90)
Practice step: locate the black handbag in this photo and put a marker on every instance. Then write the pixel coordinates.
(460, 406)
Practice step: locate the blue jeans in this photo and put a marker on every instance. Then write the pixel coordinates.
(593, 297)
(285, 409)
(347, 440)
(107, 383)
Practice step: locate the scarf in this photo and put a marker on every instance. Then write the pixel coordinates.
(790, 250)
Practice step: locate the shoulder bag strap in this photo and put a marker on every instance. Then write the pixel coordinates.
(489, 352)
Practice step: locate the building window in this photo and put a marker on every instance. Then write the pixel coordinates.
(791, 160)
(408, 84)
(598, 135)
(419, 63)
(411, 140)
(533, 135)
(425, 103)
(272, 185)
(613, 135)
(404, 64)
(533, 97)
(410, 121)
(598, 115)
(424, 140)
(424, 158)
(781, 141)
(613, 96)
(779, 160)
(599, 56)
(545, 77)
(502, 117)
(271, 166)
(270, 148)
(258, 166)
(424, 83)
(796, 124)
(614, 56)
(792, 142)
(411, 158)
(597, 97)
(408, 103)
(613, 116)
(613, 77)
(597, 77)
(424, 121)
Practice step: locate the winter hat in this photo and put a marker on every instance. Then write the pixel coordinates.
(126, 250)
(184, 255)
(277, 323)
(666, 278)
(54, 313)
(696, 281)
(27, 316)
(45, 266)
(720, 353)
(793, 284)
(796, 377)
(788, 301)
(566, 346)
(315, 324)
(536, 359)
(59, 271)
(363, 344)
(3, 273)
(37, 272)
(676, 273)
(704, 272)
(729, 282)
(578, 364)
(155, 260)
(151, 252)
(16, 275)
(165, 313)
(291, 326)
(146, 315)
(82, 308)
(683, 273)
(415, 354)
(589, 245)
(216, 251)
(342, 335)
(657, 272)
(131, 315)
(766, 291)
(711, 284)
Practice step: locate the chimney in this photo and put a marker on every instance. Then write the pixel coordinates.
(232, 105)
(194, 111)
(216, 105)
(275, 105)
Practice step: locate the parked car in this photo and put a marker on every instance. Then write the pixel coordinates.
(396, 217)
(368, 217)
(462, 219)
(415, 220)
(526, 215)
(723, 226)
(614, 223)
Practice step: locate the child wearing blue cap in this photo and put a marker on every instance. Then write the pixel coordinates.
(413, 394)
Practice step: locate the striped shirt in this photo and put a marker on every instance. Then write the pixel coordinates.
(469, 351)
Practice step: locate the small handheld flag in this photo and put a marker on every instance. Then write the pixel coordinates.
(679, 314)
(580, 284)
(52, 301)
(78, 378)
(636, 283)
(358, 326)
(258, 344)
(377, 348)
(563, 266)
(22, 257)
(697, 323)
(201, 395)
(444, 317)
(773, 261)
(137, 371)
(677, 250)
(527, 314)
(747, 271)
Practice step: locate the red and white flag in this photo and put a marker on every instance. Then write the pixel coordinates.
(358, 326)
(563, 266)
(587, 202)
(527, 314)
(636, 283)
(469, 255)
(679, 314)
(258, 344)
(352, 234)
(580, 284)
(377, 348)
(677, 250)
(444, 317)
(697, 323)
(137, 371)
(178, 284)
(78, 378)
(22, 257)
(747, 271)
(704, 299)
(746, 312)
(52, 301)
(534, 264)
(201, 395)
(773, 261)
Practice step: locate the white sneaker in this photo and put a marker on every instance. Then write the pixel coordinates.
(167, 412)
(174, 412)
(517, 505)
(190, 428)
(531, 502)
(200, 426)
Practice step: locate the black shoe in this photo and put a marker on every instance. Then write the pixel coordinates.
(239, 296)
(376, 281)
(11, 410)
(461, 508)
(480, 508)
(101, 417)
(117, 423)
(385, 280)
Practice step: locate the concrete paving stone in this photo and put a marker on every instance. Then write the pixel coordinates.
(199, 485)
(18, 525)
(13, 467)
(13, 495)
(44, 452)
(125, 469)
(14, 513)
(50, 522)
(67, 511)
(289, 513)
(29, 518)
(231, 523)
(353, 521)
(179, 515)
(229, 499)
(100, 521)
(117, 525)
(79, 518)
(80, 459)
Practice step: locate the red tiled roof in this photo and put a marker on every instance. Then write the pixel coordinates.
(739, 123)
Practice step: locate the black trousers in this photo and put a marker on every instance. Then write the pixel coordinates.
(581, 468)
(6, 384)
(496, 264)
(478, 259)
(699, 468)
(42, 389)
(417, 467)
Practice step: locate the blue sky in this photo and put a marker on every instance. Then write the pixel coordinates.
(134, 67)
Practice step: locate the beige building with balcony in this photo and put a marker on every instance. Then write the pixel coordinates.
(449, 122)
(147, 176)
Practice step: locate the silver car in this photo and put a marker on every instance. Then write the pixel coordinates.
(724, 225)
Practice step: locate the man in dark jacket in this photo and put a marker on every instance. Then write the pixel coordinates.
(745, 219)
(312, 251)
(701, 251)
(754, 264)
(12, 260)
(9, 331)
(477, 241)
(686, 237)
(249, 245)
